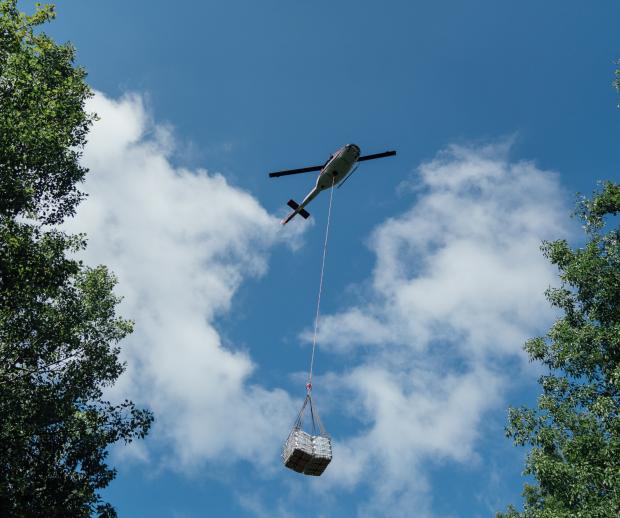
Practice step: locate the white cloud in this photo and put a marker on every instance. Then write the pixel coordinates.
(181, 242)
(457, 288)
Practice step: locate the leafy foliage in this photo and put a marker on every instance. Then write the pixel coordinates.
(59, 331)
(575, 430)
(43, 124)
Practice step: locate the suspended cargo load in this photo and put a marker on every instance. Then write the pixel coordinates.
(306, 453)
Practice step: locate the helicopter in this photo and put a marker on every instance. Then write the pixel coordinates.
(337, 170)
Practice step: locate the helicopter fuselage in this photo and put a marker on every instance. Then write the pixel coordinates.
(337, 167)
(336, 170)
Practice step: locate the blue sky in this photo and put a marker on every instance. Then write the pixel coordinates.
(499, 111)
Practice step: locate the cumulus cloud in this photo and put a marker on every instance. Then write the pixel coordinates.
(456, 289)
(180, 242)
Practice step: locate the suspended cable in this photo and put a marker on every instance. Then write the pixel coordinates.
(318, 302)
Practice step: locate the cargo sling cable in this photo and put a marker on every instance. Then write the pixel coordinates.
(318, 302)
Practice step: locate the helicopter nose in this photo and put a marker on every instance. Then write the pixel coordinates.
(355, 148)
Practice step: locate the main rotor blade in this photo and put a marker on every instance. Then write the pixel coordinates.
(296, 171)
(377, 155)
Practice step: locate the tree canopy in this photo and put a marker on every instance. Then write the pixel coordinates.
(43, 125)
(574, 432)
(59, 330)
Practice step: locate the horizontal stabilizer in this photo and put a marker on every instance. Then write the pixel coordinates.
(294, 205)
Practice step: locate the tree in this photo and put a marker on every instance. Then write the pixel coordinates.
(59, 331)
(575, 430)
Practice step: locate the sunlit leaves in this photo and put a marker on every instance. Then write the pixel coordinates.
(43, 124)
(574, 432)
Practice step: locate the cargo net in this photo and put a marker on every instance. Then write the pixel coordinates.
(305, 453)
